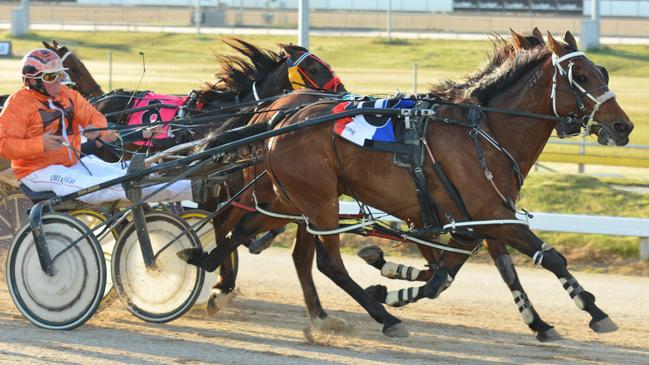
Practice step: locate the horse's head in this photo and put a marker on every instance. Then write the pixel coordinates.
(82, 80)
(580, 89)
(305, 69)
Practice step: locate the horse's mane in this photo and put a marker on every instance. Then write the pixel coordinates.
(504, 68)
(237, 72)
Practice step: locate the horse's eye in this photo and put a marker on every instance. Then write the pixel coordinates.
(580, 79)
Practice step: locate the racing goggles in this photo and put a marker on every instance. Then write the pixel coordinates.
(50, 77)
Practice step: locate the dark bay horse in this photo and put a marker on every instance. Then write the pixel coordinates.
(311, 168)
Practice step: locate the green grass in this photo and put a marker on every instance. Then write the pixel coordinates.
(579, 194)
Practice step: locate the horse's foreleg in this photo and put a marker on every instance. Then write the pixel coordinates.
(545, 255)
(505, 265)
(330, 263)
(373, 255)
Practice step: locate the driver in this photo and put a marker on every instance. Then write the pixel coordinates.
(40, 128)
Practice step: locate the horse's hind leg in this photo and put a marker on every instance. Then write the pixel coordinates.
(502, 259)
(545, 255)
(303, 254)
(330, 263)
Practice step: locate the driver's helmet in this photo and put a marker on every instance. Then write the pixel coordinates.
(42, 61)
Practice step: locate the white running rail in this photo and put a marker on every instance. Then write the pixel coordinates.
(553, 222)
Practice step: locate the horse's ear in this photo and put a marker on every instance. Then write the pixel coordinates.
(47, 45)
(554, 45)
(570, 39)
(538, 35)
(519, 41)
(286, 51)
(55, 43)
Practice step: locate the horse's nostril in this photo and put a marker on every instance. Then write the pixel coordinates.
(620, 127)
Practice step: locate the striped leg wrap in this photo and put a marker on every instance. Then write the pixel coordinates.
(398, 271)
(401, 297)
(573, 288)
(524, 306)
(538, 255)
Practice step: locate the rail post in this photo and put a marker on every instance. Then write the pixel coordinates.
(582, 152)
(414, 78)
(644, 248)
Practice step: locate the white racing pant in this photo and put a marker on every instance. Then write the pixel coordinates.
(64, 180)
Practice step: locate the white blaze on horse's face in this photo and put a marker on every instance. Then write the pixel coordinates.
(568, 75)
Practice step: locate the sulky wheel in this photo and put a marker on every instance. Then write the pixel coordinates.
(207, 238)
(166, 291)
(91, 219)
(72, 294)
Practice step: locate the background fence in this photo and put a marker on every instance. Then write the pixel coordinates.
(70, 13)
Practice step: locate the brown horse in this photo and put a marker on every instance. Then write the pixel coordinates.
(311, 168)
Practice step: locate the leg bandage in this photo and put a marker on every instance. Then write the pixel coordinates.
(537, 258)
(524, 306)
(398, 271)
(401, 297)
(573, 288)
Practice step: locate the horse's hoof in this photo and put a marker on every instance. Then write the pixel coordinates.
(397, 330)
(370, 254)
(256, 246)
(190, 255)
(217, 301)
(197, 257)
(604, 325)
(548, 335)
(378, 292)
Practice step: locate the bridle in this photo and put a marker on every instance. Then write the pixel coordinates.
(300, 79)
(578, 91)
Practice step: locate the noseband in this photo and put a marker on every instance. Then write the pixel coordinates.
(299, 79)
(567, 75)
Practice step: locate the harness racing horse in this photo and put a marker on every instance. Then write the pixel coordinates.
(373, 255)
(504, 129)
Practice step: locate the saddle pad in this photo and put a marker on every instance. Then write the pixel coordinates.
(156, 114)
(362, 128)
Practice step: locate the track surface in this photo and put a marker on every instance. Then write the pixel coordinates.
(473, 322)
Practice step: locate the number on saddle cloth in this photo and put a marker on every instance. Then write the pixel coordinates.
(363, 129)
(155, 115)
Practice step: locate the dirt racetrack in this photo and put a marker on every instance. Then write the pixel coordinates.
(473, 322)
